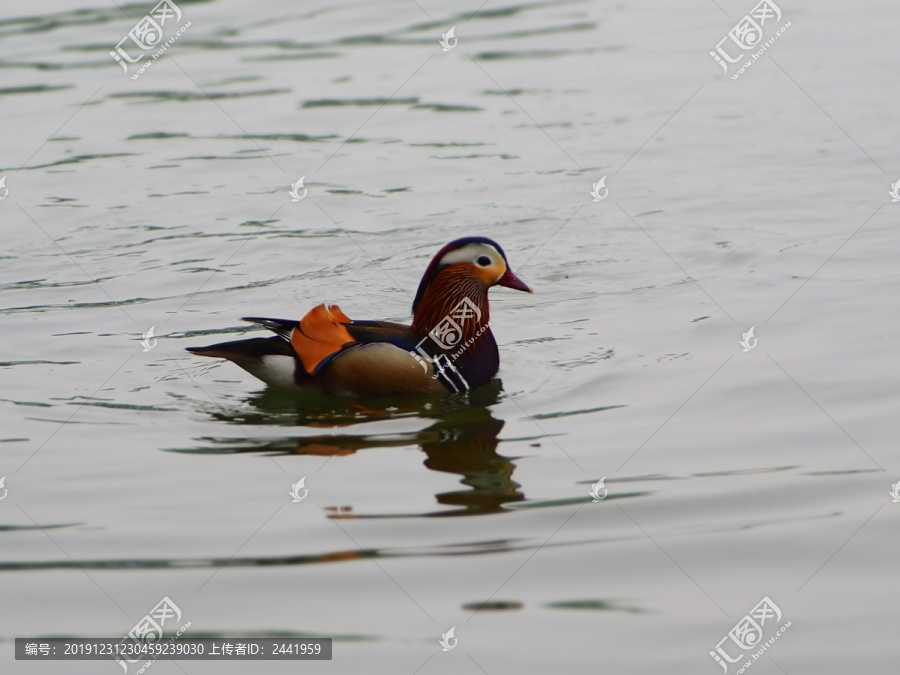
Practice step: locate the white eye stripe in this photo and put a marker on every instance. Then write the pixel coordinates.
(470, 253)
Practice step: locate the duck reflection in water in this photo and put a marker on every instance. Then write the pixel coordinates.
(463, 440)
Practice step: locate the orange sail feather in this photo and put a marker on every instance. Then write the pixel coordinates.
(321, 333)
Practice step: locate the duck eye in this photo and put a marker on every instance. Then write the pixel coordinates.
(484, 261)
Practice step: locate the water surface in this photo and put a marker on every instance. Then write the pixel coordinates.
(732, 475)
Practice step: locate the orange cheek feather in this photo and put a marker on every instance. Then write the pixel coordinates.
(488, 275)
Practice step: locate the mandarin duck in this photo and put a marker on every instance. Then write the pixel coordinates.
(448, 348)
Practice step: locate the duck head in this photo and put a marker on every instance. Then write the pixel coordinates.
(451, 313)
(464, 268)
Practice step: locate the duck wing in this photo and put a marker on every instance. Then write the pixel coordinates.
(398, 334)
(325, 331)
(356, 358)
